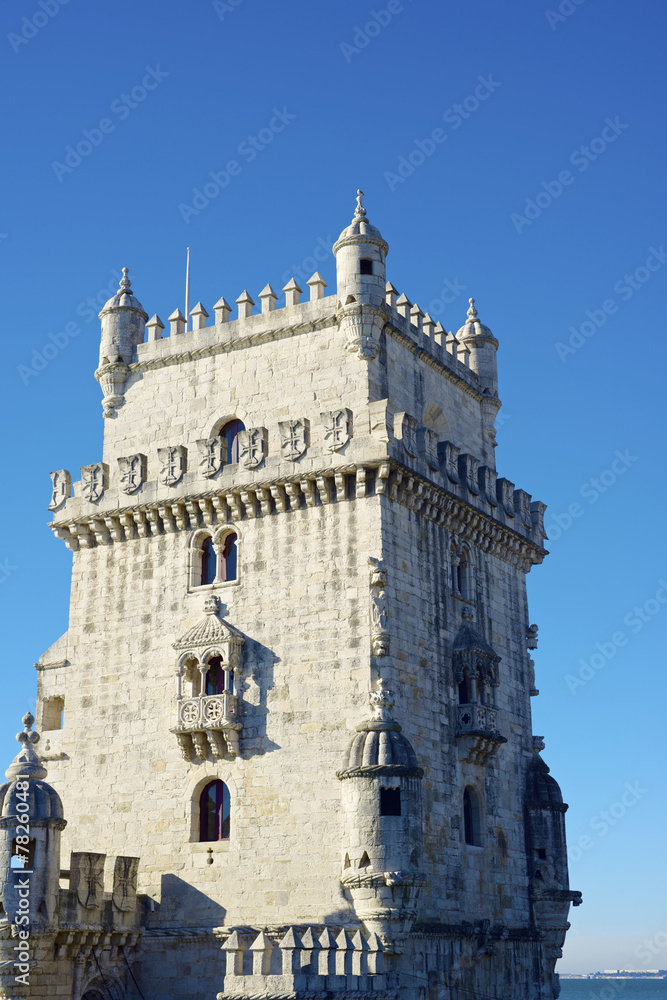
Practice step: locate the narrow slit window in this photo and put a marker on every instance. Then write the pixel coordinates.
(471, 818)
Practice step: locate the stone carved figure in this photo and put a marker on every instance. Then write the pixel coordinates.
(293, 438)
(252, 447)
(337, 428)
(379, 608)
(93, 482)
(210, 455)
(124, 894)
(61, 483)
(132, 472)
(172, 464)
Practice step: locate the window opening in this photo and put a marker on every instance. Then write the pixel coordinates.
(390, 802)
(214, 812)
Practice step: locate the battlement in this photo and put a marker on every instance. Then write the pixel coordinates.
(346, 963)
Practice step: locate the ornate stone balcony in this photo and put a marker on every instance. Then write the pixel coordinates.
(476, 733)
(208, 722)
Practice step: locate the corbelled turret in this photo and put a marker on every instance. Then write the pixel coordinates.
(123, 328)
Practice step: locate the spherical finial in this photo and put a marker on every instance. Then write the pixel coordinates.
(472, 312)
(26, 763)
(359, 211)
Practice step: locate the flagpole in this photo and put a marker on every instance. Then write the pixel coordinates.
(187, 292)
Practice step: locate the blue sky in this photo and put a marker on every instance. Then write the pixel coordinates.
(541, 194)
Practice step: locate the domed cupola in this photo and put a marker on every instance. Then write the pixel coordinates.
(482, 345)
(123, 328)
(31, 820)
(382, 817)
(360, 253)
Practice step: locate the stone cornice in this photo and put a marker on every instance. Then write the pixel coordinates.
(390, 479)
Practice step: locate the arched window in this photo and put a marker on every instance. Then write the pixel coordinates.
(465, 575)
(472, 827)
(208, 562)
(230, 433)
(365, 266)
(214, 812)
(215, 676)
(464, 696)
(228, 560)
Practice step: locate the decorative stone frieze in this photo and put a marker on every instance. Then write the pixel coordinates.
(132, 472)
(210, 455)
(94, 481)
(294, 436)
(337, 428)
(61, 483)
(172, 464)
(253, 446)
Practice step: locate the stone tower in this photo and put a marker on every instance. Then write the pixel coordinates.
(297, 509)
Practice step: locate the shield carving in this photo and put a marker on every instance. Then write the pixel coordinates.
(132, 472)
(87, 878)
(93, 481)
(124, 894)
(62, 488)
(210, 456)
(337, 428)
(252, 447)
(293, 438)
(172, 464)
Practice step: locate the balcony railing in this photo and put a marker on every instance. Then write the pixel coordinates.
(208, 722)
(477, 734)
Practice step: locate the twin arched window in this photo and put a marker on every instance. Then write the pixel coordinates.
(216, 561)
(230, 434)
(472, 822)
(214, 812)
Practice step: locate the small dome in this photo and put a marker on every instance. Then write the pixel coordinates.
(360, 230)
(542, 790)
(43, 801)
(472, 326)
(379, 747)
(124, 298)
(26, 768)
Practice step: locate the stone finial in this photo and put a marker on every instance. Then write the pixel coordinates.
(382, 702)
(472, 312)
(428, 325)
(26, 763)
(245, 304)
(176, 323)
(360, 211)
(155, 326)
(531, 636)
(268, 298)
(222, 310)
(417, 317)
(125, 284)
(292, 293)
(317, 284)
(199, 317)
(404, 305)
(451, 344)
(211, 605)
(391, 294)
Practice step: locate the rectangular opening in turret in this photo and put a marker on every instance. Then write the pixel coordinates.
(365, 266)
(53, 710)
(390, 802)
